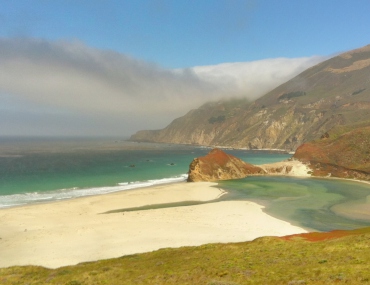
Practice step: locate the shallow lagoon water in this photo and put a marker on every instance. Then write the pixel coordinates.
(312, 203)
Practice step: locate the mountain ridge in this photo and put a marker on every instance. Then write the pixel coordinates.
(331, 93)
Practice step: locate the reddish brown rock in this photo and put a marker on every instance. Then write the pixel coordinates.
(320, 236)
(346, 155)
(218, 165)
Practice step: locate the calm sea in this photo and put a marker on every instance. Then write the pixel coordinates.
(34, 170)
(37, 170)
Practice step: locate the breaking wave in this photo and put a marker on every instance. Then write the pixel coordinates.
(63, 194)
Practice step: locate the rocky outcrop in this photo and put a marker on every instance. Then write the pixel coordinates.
(218, 165)
(344, 153)
(332, 93)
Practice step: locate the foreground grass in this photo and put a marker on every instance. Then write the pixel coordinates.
(266, 260)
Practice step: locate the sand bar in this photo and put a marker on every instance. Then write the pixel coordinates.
(73, 231)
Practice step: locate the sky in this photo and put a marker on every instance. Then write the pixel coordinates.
(111, 68)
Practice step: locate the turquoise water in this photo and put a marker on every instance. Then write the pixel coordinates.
(305, 202)
(35, 170)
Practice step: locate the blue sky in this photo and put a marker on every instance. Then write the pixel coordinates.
(114, 67)
(178, 33)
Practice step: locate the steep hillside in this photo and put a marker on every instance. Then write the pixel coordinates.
(343, 152)
(334, 92)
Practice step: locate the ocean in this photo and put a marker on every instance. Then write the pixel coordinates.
(38, 170)
(34, 170)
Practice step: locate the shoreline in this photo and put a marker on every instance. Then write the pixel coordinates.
(299, 170)
(105, 190)
(71, 231)
(66, 232)
(344, 179)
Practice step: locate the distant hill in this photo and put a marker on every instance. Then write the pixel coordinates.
(333, 93)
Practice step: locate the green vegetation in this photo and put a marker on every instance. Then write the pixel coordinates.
(333, 93)
(339, 130)
(291, 95)
(264, 261)
(358, 91)
(218, 119)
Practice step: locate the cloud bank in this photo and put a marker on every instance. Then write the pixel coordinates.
(69, 88)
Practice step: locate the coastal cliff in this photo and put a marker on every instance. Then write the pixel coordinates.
(333, 93)
(343, 152)
(218, 165)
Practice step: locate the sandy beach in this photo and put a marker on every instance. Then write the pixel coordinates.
(78, 230)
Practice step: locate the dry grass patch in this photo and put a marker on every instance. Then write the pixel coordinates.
(266, 260)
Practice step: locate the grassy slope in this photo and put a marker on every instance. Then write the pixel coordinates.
(264, 261)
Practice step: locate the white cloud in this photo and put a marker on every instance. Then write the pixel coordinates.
(254, 79)
(115, 93)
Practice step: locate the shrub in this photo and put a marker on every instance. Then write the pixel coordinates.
(218, 119)
(292, 95)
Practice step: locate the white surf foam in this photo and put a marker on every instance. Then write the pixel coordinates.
(63, 194)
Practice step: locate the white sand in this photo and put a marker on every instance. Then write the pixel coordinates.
(73, 231)
(299, 169)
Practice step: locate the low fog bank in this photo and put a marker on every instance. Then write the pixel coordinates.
(68, 88)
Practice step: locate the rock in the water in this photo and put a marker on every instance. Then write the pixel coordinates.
(218, 165)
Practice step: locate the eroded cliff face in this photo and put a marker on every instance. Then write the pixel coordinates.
(344, 154)
(218, 165)
(332, 93)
